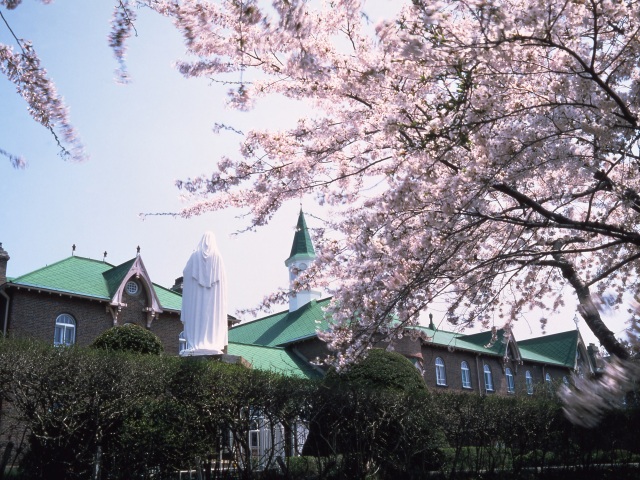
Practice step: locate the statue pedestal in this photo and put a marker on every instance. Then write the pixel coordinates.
(224, 358)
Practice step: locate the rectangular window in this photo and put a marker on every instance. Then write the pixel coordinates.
(466, 375)
(510, 383)
(488, 379)
(441, 375)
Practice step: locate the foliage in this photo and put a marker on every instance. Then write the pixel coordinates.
(374, 416)
(129, 338)
(72, 401)
(379, 370)
(142, 416)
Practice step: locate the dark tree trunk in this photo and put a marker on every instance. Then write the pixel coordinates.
(589, 311)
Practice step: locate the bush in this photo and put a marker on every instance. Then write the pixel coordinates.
(129, 338)
(380, 370)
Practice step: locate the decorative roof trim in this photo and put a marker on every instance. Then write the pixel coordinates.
(138, 271)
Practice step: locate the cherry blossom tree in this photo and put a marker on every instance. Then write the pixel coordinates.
(481, 152)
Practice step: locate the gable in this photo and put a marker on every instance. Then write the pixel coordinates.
(556, 349)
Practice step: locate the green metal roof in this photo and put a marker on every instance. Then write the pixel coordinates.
(89, 278)
(169, 299)
(302, 245)
(284, 327)
(475, 342)
(557, 349)
(73, 275)
(273, 359)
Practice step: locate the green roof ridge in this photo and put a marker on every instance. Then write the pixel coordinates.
(37, 270)
(302, 244)
(72, 275)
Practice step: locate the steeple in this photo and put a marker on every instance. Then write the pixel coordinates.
(302, 244)
(301, 256)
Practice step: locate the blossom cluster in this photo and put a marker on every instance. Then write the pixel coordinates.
(44, 104)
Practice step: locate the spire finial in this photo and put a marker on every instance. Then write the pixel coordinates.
(73, 249)
(431, 325)
(104, 256)
(138, 250)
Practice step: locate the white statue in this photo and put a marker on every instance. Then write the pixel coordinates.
(204, 300)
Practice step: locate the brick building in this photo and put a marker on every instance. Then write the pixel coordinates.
(74, 300)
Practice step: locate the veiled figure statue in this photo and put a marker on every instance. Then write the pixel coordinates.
(204, 300)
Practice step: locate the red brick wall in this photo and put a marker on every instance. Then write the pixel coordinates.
(168, 327)
(453, 360)
(34, 314)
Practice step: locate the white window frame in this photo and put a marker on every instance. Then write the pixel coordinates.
(488, 378)
(65, 330)
(547, 378)
(441, 373)
(511, 386)
(132, 288)
(182, 342)
(529, 382)
(465, 373)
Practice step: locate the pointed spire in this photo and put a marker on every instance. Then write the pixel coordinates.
(302, 244)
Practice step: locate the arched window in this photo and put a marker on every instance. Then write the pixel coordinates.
(529, 380)
(565, 380)
(488, 379)
(65, 332)
(511, 387)
(441, 374)
(466, 375)
(547, 378)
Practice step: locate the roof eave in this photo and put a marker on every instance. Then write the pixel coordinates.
(41, 289)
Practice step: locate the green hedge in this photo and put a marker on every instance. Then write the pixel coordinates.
(144, 416)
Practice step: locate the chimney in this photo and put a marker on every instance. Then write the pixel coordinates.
(177, 286)
(4, 258)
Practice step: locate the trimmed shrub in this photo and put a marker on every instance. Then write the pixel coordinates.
(382, 371)
(129, 338)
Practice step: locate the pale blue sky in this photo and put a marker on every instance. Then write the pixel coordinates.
(141, 137)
